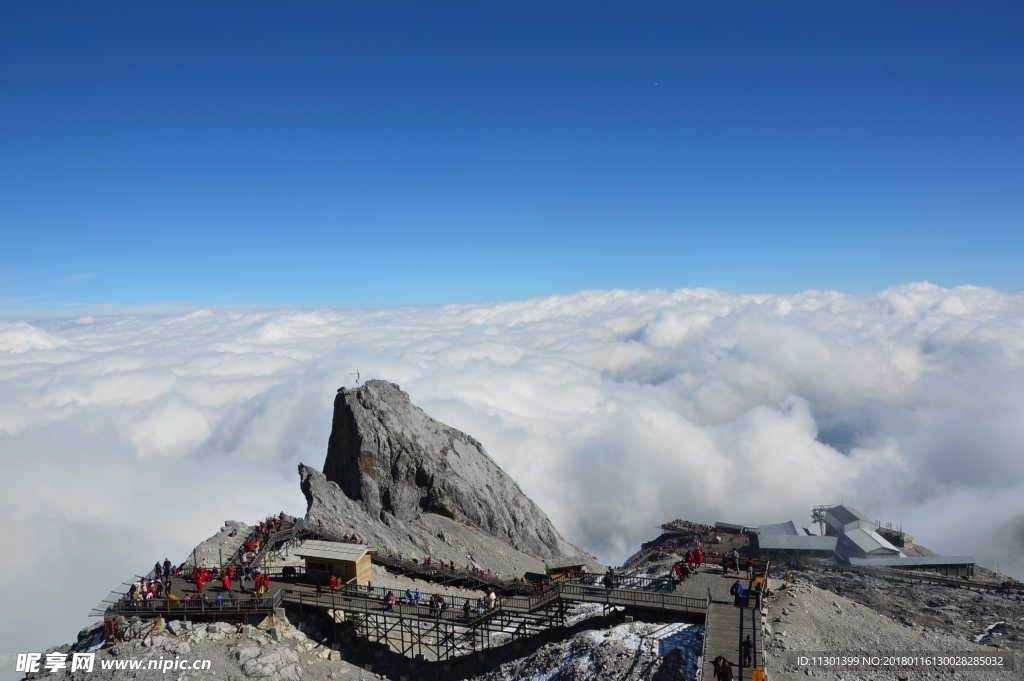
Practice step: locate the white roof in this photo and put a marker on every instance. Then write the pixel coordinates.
(846, 515)
(331, 550)
(778, 528)
(795, 542)
(868, 543)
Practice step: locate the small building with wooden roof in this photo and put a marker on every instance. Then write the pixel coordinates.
(730, 528)
(350, 562)
(561, 567)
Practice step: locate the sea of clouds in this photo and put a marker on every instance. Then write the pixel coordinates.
(130, 438)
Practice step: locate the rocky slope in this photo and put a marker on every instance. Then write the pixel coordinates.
(808, 619)
(408, 482)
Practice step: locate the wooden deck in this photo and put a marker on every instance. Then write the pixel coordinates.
(710, 580)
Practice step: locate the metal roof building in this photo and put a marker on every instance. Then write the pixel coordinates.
(794, 545)
(853, 539)
(950, 566)
(840, 519)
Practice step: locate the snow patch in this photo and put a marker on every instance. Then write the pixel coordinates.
(988, 629)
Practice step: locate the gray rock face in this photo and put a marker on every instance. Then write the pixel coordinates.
(224, 544)
(400, 465)
(428, 535)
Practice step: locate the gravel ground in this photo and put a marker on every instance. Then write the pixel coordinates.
(803, 618)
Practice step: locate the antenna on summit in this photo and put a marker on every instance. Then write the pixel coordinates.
(356, 374)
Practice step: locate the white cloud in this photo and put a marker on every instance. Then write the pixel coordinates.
(127, 439)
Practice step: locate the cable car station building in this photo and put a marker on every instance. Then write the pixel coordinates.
(851, 538)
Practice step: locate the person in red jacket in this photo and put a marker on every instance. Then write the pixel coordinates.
(226, 582)
(199, 583)
(334, 582)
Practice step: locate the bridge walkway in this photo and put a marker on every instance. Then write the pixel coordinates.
(522, 608)
(727, 626)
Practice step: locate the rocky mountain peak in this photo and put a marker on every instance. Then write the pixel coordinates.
(399, 464)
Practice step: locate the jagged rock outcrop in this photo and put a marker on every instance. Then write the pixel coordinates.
(399, 464)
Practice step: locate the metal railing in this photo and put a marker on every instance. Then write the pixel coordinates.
(632, 598)
(284, 571)
(627, 582)
(200, 606)
(704, 642)
(372, 600)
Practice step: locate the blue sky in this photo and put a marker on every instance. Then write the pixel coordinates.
(364, 154)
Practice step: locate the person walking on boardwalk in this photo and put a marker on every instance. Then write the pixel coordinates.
(747, 648)
(225, 582)
(334, 585)
(699, 556)
(723, 670)
(467, 609)
(737, 592)
(750, 568)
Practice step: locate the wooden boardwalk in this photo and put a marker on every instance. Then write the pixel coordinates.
(727, 626)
